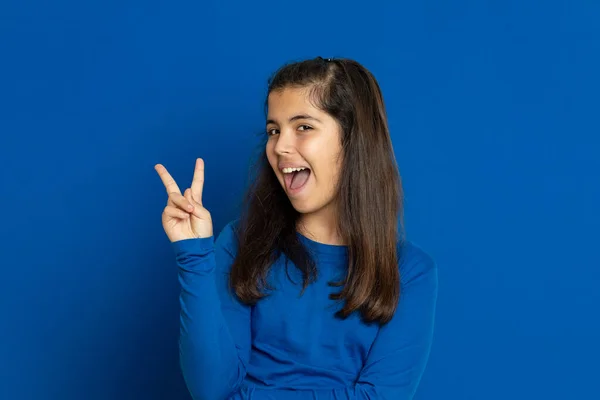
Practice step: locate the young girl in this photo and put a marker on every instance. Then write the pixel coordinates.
(313, 293)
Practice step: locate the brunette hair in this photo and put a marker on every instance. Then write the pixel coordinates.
(369, 197)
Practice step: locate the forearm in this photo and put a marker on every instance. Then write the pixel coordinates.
(209, 357)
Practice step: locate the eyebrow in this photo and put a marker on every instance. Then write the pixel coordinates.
(294, 118)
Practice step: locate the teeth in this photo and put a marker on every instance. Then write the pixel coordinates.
(290, 170)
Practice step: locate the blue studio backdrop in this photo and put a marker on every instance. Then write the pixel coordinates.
(493, 108)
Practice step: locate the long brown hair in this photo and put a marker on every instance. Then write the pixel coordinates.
(369, 197)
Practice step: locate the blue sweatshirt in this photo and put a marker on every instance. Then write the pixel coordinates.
(290, 346)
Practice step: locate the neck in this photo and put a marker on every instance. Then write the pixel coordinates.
(320, 226)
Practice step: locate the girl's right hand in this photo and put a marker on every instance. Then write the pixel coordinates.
(184, 217)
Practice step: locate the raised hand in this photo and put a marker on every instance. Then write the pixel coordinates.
(184, 217)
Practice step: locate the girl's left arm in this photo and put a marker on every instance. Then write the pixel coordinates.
(401, 350)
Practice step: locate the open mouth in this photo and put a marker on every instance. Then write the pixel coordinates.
(296, 178)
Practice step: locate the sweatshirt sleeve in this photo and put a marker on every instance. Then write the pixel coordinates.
(398, 356)
(214, 342)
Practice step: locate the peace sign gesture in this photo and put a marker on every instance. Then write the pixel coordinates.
(184, 217)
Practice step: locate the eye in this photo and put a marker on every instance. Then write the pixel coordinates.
(272, 131)
(304, 127)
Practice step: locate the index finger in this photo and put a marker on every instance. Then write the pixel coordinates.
(198, 181)
(167, 179)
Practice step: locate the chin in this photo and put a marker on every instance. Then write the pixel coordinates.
(302, 207)
(306, 207)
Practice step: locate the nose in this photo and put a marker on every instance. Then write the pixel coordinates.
(285, 142)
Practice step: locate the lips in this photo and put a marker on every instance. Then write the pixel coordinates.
(283, 165)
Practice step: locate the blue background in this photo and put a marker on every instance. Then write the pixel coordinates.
(493, 108)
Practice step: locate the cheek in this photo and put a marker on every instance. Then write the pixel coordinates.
(322, 154)
(335, 167)
(326, 165)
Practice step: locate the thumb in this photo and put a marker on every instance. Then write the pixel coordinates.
(188, 195)
(197, 206)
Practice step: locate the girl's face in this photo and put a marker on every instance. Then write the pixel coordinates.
(302, 136)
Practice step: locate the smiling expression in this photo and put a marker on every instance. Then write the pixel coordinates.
(301, 135)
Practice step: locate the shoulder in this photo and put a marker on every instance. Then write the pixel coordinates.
(414, 262)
